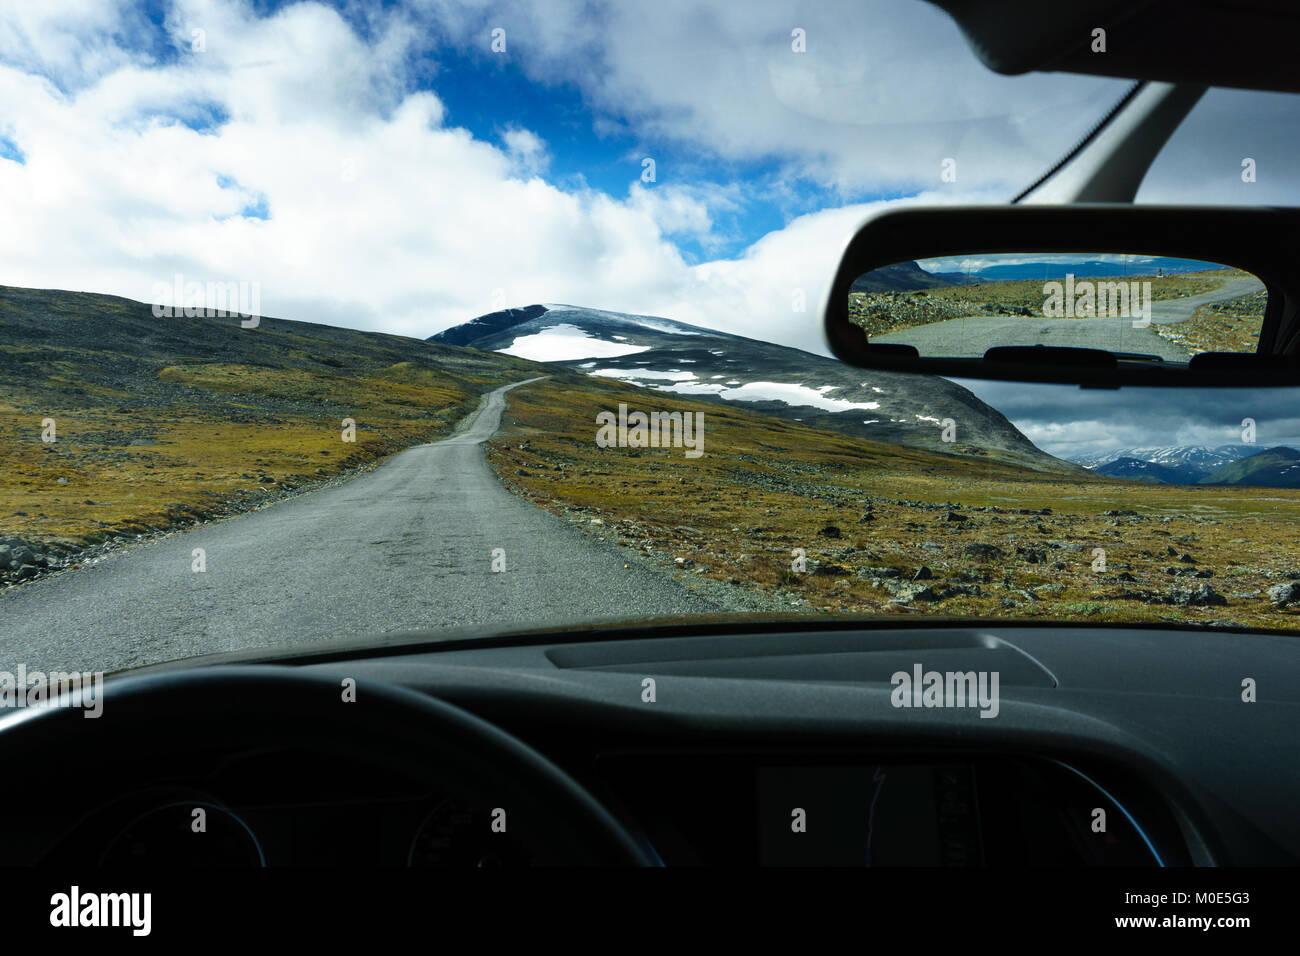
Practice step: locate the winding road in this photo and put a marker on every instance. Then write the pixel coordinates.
(968, 337)
(407, 546)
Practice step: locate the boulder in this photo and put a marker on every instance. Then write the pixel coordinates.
(1201, 596)
(985, 552)
(1283, 595)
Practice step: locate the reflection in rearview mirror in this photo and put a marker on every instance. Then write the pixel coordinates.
(1136, 307)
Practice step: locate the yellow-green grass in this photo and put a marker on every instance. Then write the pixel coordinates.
(1029, 292)
(204, 454)
(1232, 325)
(882, 312)
(389, 392)
(766, 487)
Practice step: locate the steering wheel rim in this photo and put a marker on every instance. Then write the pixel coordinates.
(271, 705)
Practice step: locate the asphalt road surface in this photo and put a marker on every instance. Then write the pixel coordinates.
(407, 546)
(969, 337)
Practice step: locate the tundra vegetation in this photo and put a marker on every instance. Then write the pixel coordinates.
(162, 422)
(887, 529)
(1232, 325)
(881, 312)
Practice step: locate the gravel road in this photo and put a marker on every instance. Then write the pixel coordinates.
(970, 336)
(407, 546)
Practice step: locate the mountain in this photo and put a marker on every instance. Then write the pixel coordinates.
(665, 355)
(1273, 468)
(905, 277)
(1013, 271)
(909, 276)
(103, 350)
(487, 325)
(1171, 464)
(120, 423)
(1134, 469)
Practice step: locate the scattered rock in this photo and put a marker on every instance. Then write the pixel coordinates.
(879, 572)
(907, 593)
(1200, 596)
(1284, 595)
(985, 552)
(960, 590)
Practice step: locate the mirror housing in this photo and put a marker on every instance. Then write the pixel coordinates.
(1264, 241)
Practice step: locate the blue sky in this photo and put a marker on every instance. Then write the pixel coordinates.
(380, 166)
(610, 158)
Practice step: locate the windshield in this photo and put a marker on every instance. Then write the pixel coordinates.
(321, 322)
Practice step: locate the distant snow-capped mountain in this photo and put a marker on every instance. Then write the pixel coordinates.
(660, 354)
(1136, 470)
(1272, 468)
(1170, 464)
(1197, 456)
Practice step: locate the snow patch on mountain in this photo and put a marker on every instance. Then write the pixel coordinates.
(654, 353)
(565, 343)
(790, 393)
(633, 375)
(1194, 456)
(652, 322)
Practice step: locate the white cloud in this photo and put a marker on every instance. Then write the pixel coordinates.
(526, 150)
(883, 93)
(380, 215)
(71, 40)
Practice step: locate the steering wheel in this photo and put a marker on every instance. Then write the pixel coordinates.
(228, 709)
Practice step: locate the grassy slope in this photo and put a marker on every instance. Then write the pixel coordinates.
(765, 487)
(220, 415)
(160, 420)
(1232, 325)
(880, 313)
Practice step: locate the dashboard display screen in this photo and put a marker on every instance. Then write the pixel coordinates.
(875, 815)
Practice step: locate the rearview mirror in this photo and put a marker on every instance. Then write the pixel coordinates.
(1100, 295)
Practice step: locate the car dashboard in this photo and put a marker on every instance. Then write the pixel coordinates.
(781, 746)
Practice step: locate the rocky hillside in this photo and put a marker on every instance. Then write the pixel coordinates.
(1176, 464)
(662, 355)
(907, 276)
(120, 425)
(1273, 468)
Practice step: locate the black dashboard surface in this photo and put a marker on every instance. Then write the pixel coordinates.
(1162, 715)
(1186, 736)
